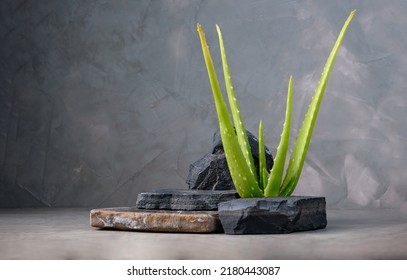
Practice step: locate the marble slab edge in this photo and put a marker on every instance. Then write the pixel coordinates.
(132, 218)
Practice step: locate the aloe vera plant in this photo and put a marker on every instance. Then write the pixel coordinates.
(248, 182)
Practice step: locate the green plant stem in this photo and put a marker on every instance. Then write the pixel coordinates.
(304, 136)
(276, 174)
(234, 108)
(262, 159)
(245, 183)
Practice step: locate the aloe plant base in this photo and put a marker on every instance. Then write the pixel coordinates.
(272, 215)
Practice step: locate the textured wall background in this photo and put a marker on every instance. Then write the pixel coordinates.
(101, 100)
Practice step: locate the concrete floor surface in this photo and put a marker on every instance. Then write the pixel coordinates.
(66, 234)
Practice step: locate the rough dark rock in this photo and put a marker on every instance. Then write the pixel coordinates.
(127, 218)
(187, 200)
(272, 215)
(212, 173)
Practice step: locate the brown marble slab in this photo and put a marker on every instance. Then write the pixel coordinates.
(129, 218)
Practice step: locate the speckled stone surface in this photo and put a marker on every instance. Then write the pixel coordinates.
(181, 199)
(128, 218)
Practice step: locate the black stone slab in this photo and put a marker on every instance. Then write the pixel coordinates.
(187, 200)
(272, 215)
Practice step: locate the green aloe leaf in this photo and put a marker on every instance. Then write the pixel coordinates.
(240, 172)
(262, 159)
(234, 108)
(276, 175)
(304, 136)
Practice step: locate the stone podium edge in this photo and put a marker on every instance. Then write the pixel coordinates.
(133, 219)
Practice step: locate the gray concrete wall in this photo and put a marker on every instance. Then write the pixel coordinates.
(101, 100)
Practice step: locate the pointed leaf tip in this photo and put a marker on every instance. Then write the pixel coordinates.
(242, 176)
(276, 175)
(304, 135)
(234, 108)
